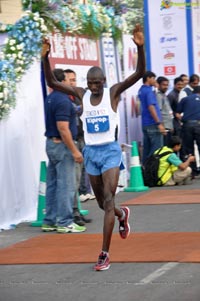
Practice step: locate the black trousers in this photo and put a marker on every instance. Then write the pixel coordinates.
(190, 133)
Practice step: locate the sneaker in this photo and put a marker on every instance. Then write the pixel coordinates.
(79, 220)
(83, 198)
(85, 219)
(91, 196)
(48, 228)
(86, 197)
(124, 227)
(103, 262)
(72, 228)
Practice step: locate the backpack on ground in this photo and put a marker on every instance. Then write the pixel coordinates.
(150, 169)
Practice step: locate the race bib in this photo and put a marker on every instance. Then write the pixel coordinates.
(98, 124)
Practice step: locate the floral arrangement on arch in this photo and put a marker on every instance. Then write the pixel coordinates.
(24, 40)
(22, 45)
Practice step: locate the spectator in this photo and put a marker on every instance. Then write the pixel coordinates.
(172, 170)
(193, 82)
(165, 108)
(152, 126)
(185, 79)
(61, 129)
(188, 111)
(173, 100)
(70, 79)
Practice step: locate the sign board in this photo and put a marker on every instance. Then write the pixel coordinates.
(166, 36)
(78, 53)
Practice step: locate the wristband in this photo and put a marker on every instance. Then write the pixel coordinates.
(158, 123)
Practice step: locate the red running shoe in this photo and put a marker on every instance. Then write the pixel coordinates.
(124, 227)
(103, 262)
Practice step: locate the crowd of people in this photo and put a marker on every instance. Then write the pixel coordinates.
(84, 155)
(168, 114)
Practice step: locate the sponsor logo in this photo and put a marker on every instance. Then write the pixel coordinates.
(97, 119)
(169, 55)
(169, 4)
(168, 39)
(165, 5)
(95, 113)
(167, 22)
(170, 70)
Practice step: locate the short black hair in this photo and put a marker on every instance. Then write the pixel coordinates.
(69, 71)
(161, 79)
(59, 74)
(178, 79)
(95, 71)
(196, 90)
(148, 74)
(174, 140)
(183, 75)
(193, 77)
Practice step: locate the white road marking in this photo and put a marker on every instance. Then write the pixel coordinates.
(156, 274)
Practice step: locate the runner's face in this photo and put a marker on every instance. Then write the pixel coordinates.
(95, 85)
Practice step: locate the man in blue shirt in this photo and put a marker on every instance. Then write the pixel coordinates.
(188, 111)
(153, 129)
(61, 131)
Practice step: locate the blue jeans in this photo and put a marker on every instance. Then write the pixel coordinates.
(152, 140)
(60, 189)
(81, 173)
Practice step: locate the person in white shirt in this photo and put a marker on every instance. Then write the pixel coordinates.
(193, 82)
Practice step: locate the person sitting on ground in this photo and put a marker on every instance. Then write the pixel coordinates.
(172, 170)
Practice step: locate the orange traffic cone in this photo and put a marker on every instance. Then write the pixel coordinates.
(136, 178)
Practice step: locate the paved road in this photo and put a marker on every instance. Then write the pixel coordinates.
(123, 282)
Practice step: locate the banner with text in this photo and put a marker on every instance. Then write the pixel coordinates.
(166, 29)
(196, 35)
(75, 52)
(133, 118)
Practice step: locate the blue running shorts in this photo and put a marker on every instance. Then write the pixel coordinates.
(100, 158)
